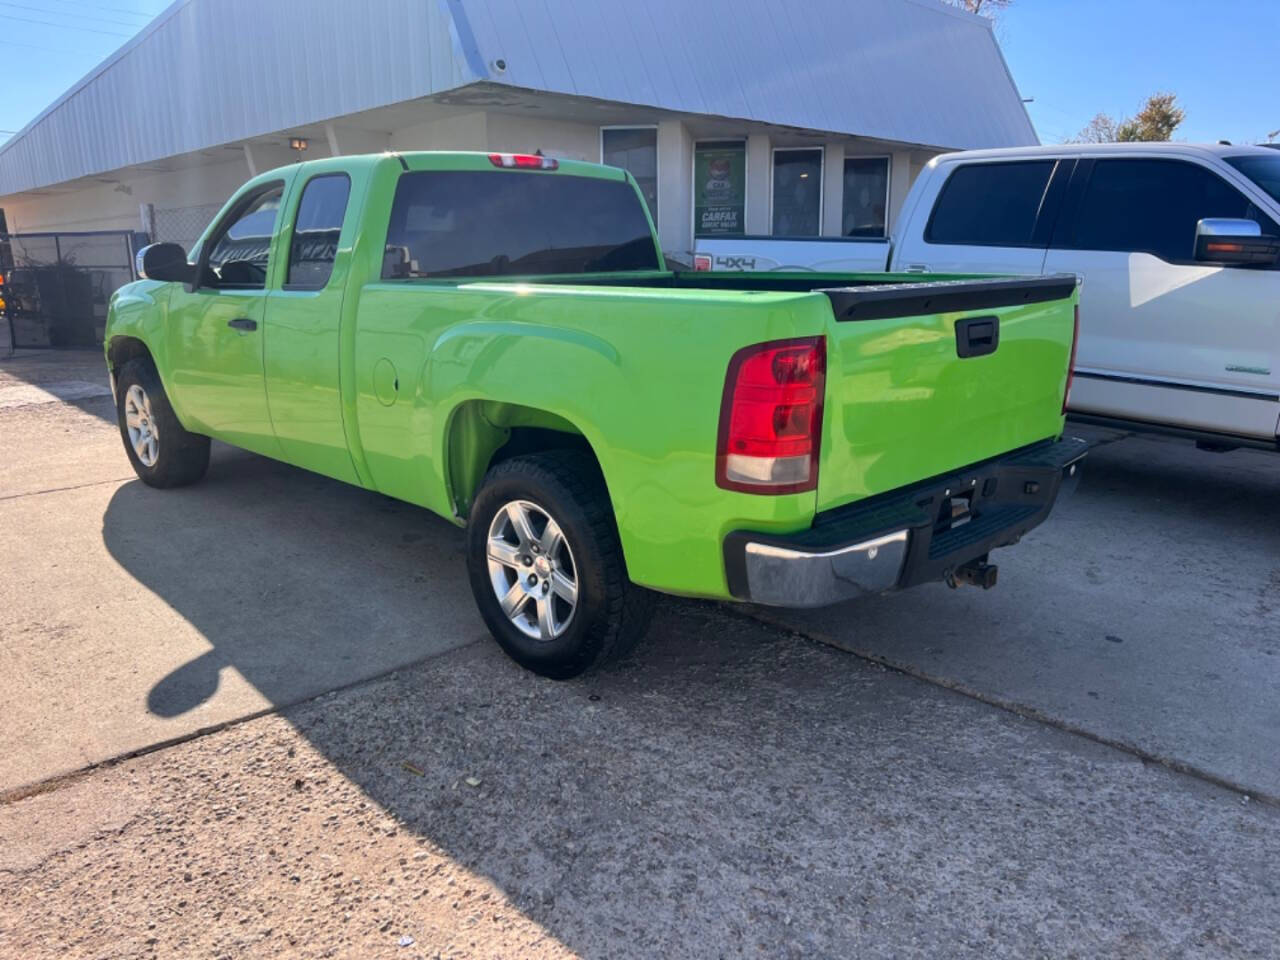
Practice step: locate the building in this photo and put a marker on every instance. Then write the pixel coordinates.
(800, 118)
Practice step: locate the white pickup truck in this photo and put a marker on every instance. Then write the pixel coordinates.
(1177, 247)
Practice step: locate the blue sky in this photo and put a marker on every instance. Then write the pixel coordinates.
(1081, 57)
(1075, 57)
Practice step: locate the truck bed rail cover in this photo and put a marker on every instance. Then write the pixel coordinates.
(888, 300)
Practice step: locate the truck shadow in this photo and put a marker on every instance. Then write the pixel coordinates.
(725, 791)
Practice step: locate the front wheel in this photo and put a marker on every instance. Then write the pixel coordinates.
(547, 569)
(162, 452)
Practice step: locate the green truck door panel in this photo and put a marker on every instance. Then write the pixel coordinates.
(303, 345)
(216, 369)
(216, 332)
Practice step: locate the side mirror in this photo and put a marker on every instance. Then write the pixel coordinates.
(166, 262)
(1235, 243)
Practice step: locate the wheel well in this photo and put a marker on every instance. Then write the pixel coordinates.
(124, 349)
(484, 433)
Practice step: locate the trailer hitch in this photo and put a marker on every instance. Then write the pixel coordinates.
(975, 573)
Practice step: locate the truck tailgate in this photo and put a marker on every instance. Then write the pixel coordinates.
(925, 378)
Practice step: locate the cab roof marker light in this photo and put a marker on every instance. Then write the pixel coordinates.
(524, 161)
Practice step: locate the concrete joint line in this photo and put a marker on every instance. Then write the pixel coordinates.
(1012, 706)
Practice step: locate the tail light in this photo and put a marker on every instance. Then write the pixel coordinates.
(1071, 364)
(524, 161)
(771, 417)
(701, 262)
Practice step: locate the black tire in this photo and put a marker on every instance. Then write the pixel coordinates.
(180, 457)
(611, 613)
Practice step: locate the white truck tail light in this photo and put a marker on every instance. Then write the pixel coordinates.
(771, 417)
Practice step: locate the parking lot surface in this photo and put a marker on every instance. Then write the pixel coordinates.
(741, 787)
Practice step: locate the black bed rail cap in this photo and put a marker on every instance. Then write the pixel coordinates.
(887, 300)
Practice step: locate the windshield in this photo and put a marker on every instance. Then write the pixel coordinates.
(1264, 171)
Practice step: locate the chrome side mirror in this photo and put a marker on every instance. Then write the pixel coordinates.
(1234, 243)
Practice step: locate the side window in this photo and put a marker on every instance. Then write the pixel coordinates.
(239, 251)
(1152, 206)
(990, 204)
(316, 230)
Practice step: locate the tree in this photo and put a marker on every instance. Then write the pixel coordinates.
(986, 8)
(1159, 117)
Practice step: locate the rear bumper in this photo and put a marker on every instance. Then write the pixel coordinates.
(905, 537)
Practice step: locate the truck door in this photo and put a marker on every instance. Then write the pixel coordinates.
(985, 217)
(215, 331)
(1164, 338)
(304, 315)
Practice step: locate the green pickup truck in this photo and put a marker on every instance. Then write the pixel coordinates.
(496, 337)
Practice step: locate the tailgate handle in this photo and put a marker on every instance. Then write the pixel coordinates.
(977, 336)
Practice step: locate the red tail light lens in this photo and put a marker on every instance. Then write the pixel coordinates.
(1071, 365)
(771, 417)
(524, 161)
(701, 262)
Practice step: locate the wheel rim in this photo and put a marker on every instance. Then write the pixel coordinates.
(143, 435)
(532, 570)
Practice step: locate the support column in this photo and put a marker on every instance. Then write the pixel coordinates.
(900, 177)
(759, 176)
(832, 189)
(675, 188)
(248, 158)
(332, 136)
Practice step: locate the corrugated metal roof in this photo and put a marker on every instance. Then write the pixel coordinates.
(909, 70)
(208, 72)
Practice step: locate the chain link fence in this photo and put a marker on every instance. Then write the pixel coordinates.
(182, 225)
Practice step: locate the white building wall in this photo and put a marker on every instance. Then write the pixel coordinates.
(832, 188)
(675, 186)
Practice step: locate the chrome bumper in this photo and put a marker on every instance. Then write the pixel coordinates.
(781, 576)
(922, 533)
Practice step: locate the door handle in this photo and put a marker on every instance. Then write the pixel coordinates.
(242, 323)
(977, 336)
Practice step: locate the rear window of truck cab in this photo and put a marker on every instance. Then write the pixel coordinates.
(468, 223)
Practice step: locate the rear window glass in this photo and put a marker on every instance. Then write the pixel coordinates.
(466, 223)
(990, 204)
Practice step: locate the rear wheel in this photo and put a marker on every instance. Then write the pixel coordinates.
(547, 569)
(162, 452)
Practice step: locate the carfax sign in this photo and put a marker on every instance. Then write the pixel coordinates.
(719, 188)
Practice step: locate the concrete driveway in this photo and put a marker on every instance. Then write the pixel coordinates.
(736, 789)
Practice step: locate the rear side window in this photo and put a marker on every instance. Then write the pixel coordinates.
(316, 230)
(1152, 206)
(990, 204)
(466, 223)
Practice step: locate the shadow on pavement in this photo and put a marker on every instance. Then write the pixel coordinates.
(732, 790)
(301, 583)
(77, 378)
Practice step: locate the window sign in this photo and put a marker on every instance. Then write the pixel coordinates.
(719, 188)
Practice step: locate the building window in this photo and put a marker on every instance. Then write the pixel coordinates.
(797, 192)
(635, 150)
(719, 188)
(865, 209)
